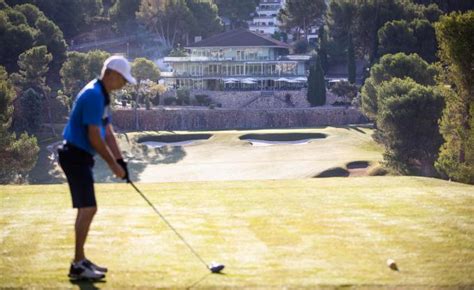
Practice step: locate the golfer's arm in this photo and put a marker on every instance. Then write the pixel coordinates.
(112, 142)
(99, 145)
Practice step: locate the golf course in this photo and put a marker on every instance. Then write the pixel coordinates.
(234, 155)
(283, 228)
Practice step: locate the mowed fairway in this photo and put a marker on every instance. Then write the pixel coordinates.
(225, 157)
(312, 233)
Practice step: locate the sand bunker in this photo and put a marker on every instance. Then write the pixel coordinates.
(353, 169)
(281, 139)
(255, 142)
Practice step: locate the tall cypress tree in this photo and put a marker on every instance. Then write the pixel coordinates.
(321, 84)
(311, 95)
(323, 44)
(316, 84)
(455, 34)
(351, 65)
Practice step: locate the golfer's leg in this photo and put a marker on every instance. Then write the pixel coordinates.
(83, 222)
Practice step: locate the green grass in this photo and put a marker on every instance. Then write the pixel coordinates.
(334, 232)
(225, 157)
(170, 138)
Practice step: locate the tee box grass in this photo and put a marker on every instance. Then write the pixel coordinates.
(303, 233)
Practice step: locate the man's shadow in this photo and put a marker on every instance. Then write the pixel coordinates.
(90, 285)
(87, 284)
(195, 283)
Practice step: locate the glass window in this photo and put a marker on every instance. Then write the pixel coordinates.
(240, 55)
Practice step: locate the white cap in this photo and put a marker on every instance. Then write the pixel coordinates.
(121, 65)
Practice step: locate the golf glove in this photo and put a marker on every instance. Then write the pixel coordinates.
(122, 163)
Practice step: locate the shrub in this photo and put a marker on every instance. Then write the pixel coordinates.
(183, 97)
(288, 100)
(170, 101)
(301, 46)
(203, 100)
(345, 91)
(377, 170)
(148, 103)
(356, 102)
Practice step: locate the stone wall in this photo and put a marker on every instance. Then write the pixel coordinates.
(228, 119)
(241, 99)
(255, 99)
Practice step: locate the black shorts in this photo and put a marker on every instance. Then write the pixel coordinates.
(77, 164)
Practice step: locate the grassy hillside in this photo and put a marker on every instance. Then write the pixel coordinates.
(287, 233)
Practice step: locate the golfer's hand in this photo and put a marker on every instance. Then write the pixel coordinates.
(124, 165)
(118, 170)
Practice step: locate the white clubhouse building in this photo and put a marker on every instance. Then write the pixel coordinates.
(237, 60)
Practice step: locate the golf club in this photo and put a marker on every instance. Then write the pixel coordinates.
(213, 267)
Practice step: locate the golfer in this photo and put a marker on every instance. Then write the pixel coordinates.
(88, 132)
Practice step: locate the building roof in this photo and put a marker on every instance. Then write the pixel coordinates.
(239, 38)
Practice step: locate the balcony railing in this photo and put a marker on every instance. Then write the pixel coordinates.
(221, 75)
(268, 10)
(263, 25)
(216, 59)
(187, 58)
(264, 18)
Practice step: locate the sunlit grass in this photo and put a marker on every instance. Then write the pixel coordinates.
(286, 233)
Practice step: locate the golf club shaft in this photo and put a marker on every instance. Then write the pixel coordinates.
(169, 225)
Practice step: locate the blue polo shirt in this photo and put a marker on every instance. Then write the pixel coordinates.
(90, 108)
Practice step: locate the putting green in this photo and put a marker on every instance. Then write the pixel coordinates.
(333, 232)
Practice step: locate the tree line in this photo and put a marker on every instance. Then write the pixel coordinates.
(424, 111)
(419, 86)
(176, 21)
(38, 81)
(422, 103)
(420, 97)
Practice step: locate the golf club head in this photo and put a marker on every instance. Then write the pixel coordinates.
(216, 267)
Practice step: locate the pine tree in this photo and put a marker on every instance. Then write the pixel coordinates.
(34, 64)
(28, 112)
(17, 155)
(410, 149)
